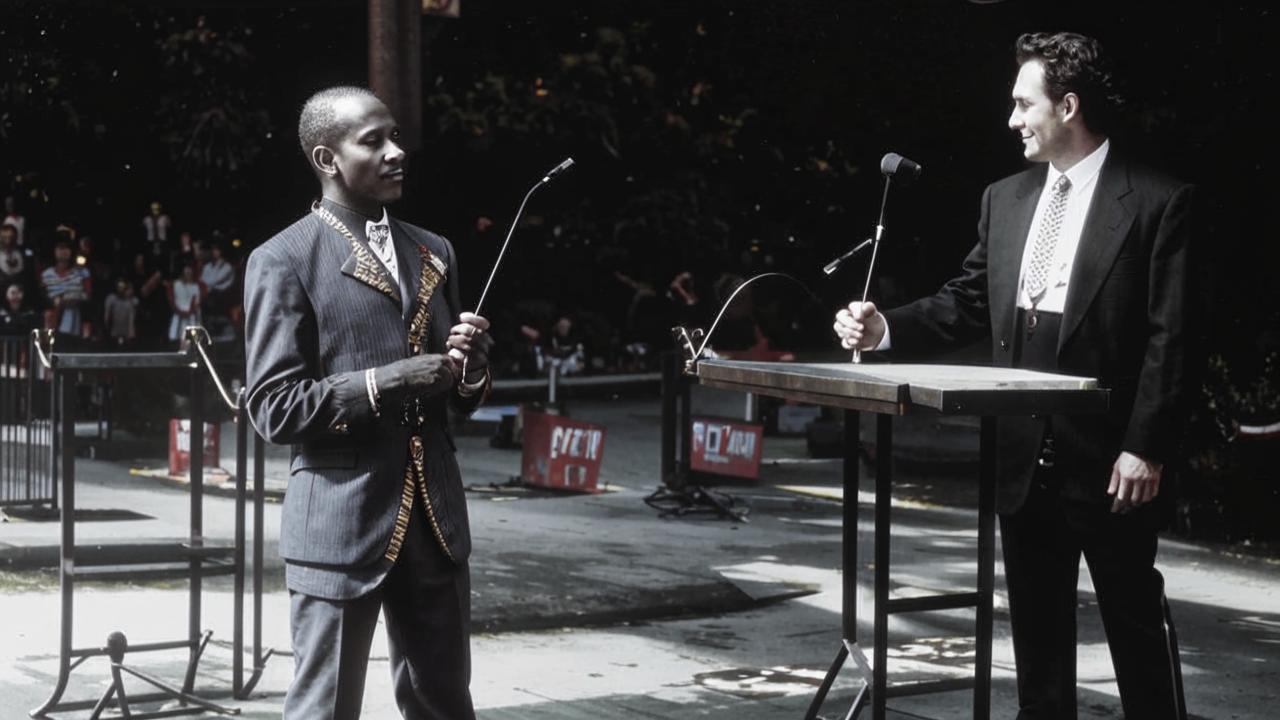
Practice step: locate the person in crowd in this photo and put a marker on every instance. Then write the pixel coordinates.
(66, 287)
(185, 297)
(14, 267)
(16, 318)
(156, 226)
(16, 219)
(120, 315)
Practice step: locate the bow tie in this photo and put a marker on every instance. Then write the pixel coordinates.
(378, 234)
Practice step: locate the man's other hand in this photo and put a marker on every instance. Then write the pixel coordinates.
(419, 375)
(859, 326)
(1134, 482)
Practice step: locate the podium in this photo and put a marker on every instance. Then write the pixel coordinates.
(889, 390)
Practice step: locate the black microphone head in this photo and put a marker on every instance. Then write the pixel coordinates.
(899, 168)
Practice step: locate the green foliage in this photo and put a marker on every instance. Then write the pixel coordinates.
(210, 123)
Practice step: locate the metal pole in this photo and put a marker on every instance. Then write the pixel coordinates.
(259, 498)
(237, 637)
(884, 500)
(196, 475)
(849, 562)
(670, 376)
(986, 568)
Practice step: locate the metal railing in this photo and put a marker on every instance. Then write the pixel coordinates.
(194, 559)
(26, 477)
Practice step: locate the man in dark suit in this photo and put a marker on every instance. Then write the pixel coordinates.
(356, 348)
(1082, 267)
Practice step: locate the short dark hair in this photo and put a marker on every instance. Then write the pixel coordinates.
(318, 123)
(1075, 63)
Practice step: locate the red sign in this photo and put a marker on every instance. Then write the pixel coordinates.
(180, 446)
(727, 448)
(561, 453)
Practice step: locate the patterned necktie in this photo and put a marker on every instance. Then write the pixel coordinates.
(378, 235)
(1036, 282)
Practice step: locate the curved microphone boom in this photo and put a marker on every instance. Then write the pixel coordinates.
(564, 165)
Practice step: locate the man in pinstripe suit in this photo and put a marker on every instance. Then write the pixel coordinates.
(356, 348)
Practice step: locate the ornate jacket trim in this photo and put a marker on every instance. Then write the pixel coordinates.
(432, 274)
(415, 478)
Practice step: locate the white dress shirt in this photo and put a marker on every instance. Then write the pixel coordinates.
(1084, 180)
(386, 251)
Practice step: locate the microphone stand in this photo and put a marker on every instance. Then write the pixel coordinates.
(515, 221)
(875, 250)
(564, 165)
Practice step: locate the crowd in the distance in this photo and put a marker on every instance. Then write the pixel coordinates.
(138, 293)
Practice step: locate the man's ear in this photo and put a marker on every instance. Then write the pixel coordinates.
(1069, 107)
(324, 161)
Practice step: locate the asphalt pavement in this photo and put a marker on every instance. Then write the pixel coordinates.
(594, 606)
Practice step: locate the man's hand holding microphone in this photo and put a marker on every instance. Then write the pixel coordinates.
(859, 326)
(428, 375)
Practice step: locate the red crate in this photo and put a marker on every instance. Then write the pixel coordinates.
(180, 446)
(727, 448)
(561, 453)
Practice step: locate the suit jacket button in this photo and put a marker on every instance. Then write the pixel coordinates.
(1004, 343)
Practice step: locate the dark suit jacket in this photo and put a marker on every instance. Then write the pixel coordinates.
(1125, 321)
(319, 310)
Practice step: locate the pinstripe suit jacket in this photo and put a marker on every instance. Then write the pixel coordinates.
(319, 310)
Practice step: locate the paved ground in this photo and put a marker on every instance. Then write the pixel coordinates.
(594, 607)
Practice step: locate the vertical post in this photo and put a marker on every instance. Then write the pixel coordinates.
(553, 380)
(395, 63)
(986, 568)
(259, 498)
(670, 376)
(55, 439)
(196, 470)
(686, 428)
(849, 562)
(237, 627)
(884, 501)
(65, 402)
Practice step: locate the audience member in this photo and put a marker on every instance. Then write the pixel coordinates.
(120, 314)
(184, 296)
(14, 218)
(66, 286)
(15, 317)
(155, 227)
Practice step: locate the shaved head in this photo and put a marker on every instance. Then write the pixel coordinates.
(321, 123)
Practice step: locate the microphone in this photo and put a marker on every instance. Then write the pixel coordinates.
(564, 165)
(834, 265)
(892, 166)
(903, 170)
(568, 163)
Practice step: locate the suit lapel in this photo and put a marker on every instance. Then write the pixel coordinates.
(361, 264)
(1007, 244)
(428, 275)
(1105, 227)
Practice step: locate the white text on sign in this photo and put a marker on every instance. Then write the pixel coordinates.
(576, 443)
(723, 442)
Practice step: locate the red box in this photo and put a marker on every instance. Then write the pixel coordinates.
(727, 448)
(561, 453)
(180, 446)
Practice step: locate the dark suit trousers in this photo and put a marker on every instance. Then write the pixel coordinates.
(1043, 542)
(426, 600)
